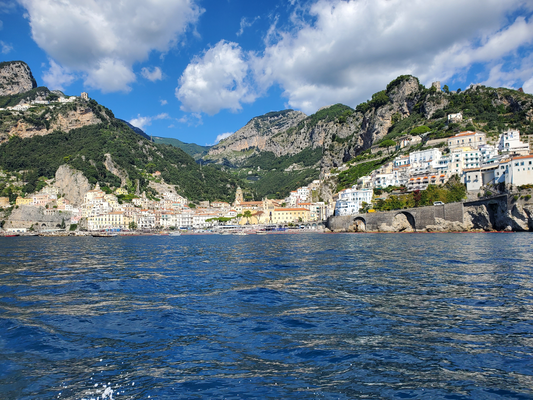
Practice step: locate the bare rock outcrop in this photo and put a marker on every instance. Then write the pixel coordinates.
(400, 223)
(71, 183)
(15, 78)
(80, 117)
(29, 216)
(477, 218)
(256, 134)
(115, 170)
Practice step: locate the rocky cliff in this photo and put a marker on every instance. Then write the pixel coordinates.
(44, 121)
(256, 134)
(15, 78)
(72, 184)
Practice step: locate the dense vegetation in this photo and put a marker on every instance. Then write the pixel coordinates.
(483, 109)
(84, 149)
(271, 178)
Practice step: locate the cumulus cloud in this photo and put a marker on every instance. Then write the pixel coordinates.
(163, 102)
(153, 75)
(351, 49)
(57, 77)
(141, 122)
(103, 39)
(223, 136)
(217, 80)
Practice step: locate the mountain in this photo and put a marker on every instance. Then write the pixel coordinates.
(36, 139)
(271, 149)
(194, 150)
(15, 78)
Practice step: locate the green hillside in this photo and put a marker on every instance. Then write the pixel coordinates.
(194, 150)
(85, 148)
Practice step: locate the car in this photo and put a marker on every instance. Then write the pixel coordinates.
(438, 203)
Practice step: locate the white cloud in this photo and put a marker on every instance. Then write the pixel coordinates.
(215, 81)
(1, 25)
(57, 77)
(192, 119)
(6, 48)
(154, 75)
(246, 24)
(220, 137)
(223, 136)
(103, 39)
(352, 49)
(141, 122)
(163, 102)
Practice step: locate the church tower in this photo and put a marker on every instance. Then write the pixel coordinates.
(239, 198)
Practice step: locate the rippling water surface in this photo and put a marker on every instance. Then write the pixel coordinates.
(440, 316)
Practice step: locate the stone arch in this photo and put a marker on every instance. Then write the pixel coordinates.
(359, 224)
(404, 221)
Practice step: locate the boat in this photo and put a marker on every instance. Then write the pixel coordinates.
(261, 233)
(104, 234)
(240, 233)
(174, 233)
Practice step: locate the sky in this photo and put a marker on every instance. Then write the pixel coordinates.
(199, 70)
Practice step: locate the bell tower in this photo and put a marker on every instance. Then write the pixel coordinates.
(239, 196)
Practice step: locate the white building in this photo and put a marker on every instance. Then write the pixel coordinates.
(509, 142)
(515, 171)
(467, 138)
(351, 200)
(455, 117)
(303, 194)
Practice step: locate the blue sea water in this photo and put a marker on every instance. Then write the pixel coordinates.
(308, 316)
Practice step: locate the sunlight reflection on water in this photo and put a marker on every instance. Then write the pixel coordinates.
(276, 316)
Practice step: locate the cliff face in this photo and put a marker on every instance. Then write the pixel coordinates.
(71, 183)
(256, 134)
(63, 121)
(342, 137)
(15, 78)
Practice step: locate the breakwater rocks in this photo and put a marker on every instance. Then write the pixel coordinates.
(498, 213)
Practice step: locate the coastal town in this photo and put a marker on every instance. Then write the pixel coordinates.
(505, 163)
(481, 166)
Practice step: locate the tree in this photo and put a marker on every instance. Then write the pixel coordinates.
(247, 214)
(63, 225)
(446, 89)
(420, 130)
(387, 143)
(132, 225)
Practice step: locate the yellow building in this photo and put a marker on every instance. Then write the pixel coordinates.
(289, 215)
(4, 201)
(112, 220)
(21, 201)
(121, 191)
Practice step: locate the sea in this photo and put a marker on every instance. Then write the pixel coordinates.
(281, 316)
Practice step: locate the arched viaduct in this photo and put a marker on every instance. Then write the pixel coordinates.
(410, 219)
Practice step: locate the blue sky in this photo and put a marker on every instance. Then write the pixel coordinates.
(199, 70)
